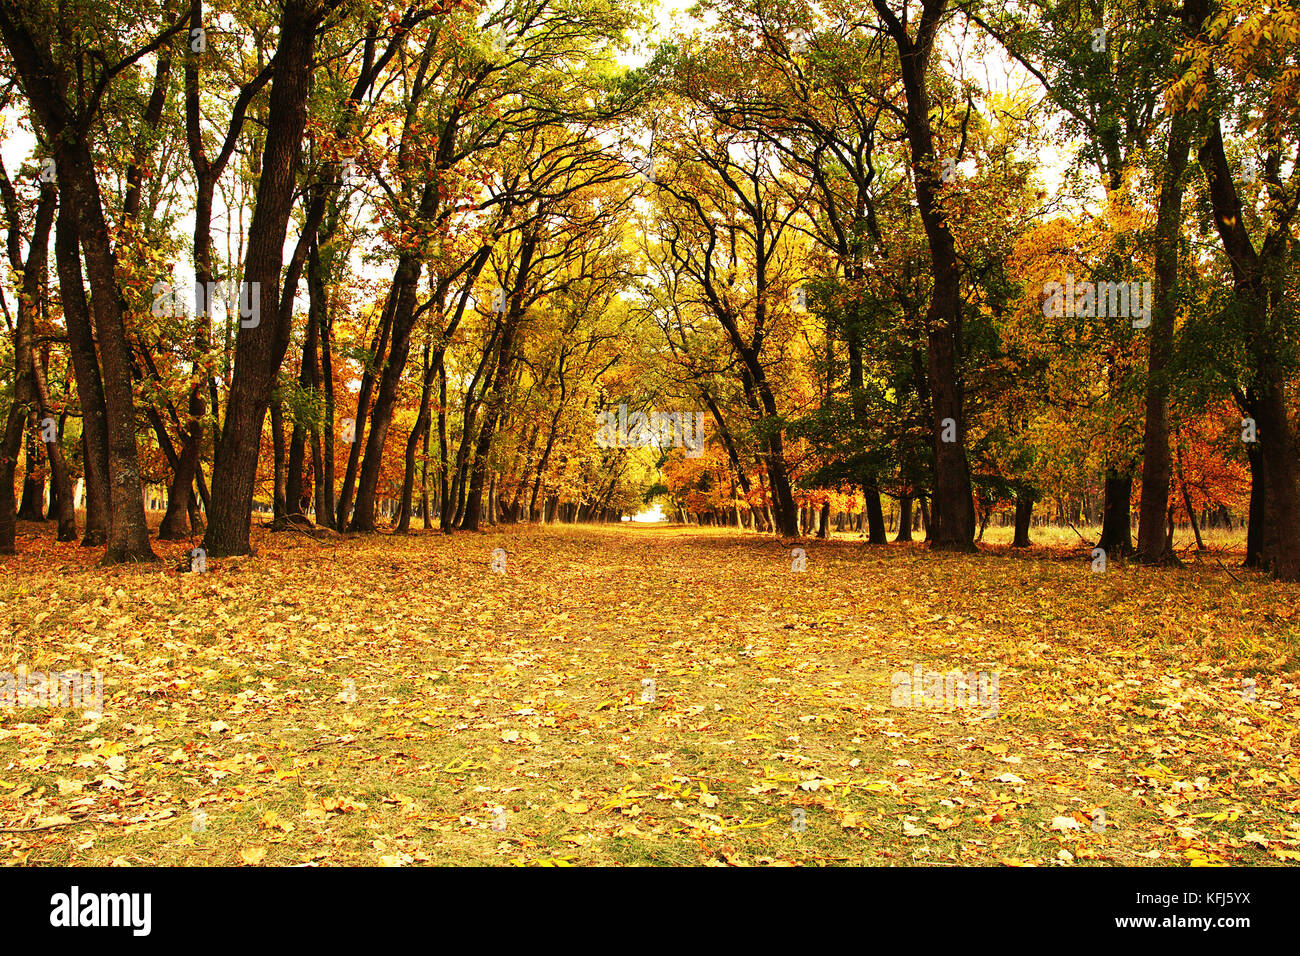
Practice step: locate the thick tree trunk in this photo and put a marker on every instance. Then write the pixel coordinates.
(952, 526)
(1024, 513)
(259, 347)
(32, 505)
(128, 534)
(1116, 521)
(876, 533)
(904, 518)
(1257, 285)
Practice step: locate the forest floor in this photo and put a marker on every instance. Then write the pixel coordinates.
(392, 700)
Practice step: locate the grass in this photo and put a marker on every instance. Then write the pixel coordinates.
(375, 699)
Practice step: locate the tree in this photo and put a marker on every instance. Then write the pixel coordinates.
(47, 55)
(261, 344)
(953, 509)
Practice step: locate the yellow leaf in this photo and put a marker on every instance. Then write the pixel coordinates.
(272, 820)
(252, 855)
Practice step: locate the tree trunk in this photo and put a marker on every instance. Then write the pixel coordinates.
(419, 435)
(425, 512)
(323, 440)
(403, 298)
(258, 348)
(469, 417)
(296, 503)
(1156, 466)
(495, 397)
(1257, 510)
(25, 398)
(128, 533)
(904, 518)
(1024, 513)
(46, 86)
(876, 533)
(952, 527)
(444, 490)
(1187, 503)
(1258, 291)
(63, 501)
(32, 505)
(1116, 522)
(277, 460)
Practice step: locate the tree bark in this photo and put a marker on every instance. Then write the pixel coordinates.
(257, 348)
(1116, 522)
(1255, 515)
(904, 518)
(952, 526)
(64, 500)
(419, 435)
(277, 460)
(128, 534)
(876, 533)
(1257, 285)
(1156, 464)
(1024, 513)
(403, 296)
(27, 395)
(46, 84)
(32, 505)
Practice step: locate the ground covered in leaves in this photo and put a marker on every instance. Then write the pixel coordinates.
(647, 695)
